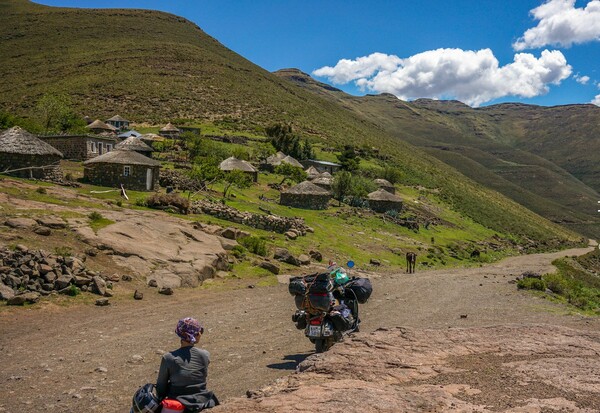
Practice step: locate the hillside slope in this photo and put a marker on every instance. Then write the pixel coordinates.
(543, 158)
(152, 66)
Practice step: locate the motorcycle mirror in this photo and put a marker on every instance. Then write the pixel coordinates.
(350, 264)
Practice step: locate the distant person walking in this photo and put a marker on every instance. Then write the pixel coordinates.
(182, 374)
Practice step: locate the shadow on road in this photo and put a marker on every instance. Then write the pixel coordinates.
(294, 360)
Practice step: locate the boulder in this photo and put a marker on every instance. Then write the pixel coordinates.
(63, 281)
(304, 259)
(166, 291)
(229, 233)
(52, 222)
(98, 285)
(20, 223)
(44, 231)
(283, 255)
(269, 266)
(6, 293)
(102, 302)
(127, 277)
(31, 297)
(316, 255)
(228, 244)
(138, 295)
(375, 262)
(292, 235)
(45, 269)
(81, 280)
(50, 276)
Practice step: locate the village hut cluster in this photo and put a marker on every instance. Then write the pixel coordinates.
(115, 156)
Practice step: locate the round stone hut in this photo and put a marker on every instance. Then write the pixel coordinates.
(312, 173)
(98, 126)
(169, 131)
(132, 169)
(385, 184)
(135, 144)
(305, 195)
(27, 156)
(324, 180)
(232, 163)
(382, 201)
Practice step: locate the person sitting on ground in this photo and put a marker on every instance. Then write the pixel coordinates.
(182, 374)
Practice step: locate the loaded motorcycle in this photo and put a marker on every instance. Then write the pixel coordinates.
(328, 306)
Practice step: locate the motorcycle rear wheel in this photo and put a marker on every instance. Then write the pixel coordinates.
(323, 344)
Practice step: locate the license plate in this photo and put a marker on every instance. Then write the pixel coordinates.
(314, 331)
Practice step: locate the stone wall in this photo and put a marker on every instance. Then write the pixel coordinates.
(111, 175)
(273, 223)
(77, 148)
(384, 206)
(305, 201)
(10, 161)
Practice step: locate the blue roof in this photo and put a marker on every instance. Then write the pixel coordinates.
(129, 134)
(325, 162)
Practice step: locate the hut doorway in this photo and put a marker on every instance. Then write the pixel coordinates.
(148, 179)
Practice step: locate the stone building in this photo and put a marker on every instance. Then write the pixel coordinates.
(82, 147)
(324, 180)
(305, 195)
(385, 184)
(312, 173)
(133, 170)
(27, 156)
(98, 126)
(170, 131)
(382, 201)
(119, 123)
(233, 163)
(322, 166)
(135, 144)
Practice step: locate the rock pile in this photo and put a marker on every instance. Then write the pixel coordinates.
(273, 223)
(25, 275)
(178, 180)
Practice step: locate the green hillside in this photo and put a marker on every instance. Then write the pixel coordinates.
(543, 158)
(153, 67)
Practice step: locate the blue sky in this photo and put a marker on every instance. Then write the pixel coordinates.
(478, 51)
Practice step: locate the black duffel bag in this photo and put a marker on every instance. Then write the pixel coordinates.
(297, 286)
(359, 289)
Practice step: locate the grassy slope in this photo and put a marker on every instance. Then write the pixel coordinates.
(510, 148)
(151, 66)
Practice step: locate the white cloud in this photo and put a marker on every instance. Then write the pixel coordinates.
(562, 24)
(582, 79)
(596, 100)
(473, 77)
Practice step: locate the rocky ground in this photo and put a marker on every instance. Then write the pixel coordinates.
(446, 340)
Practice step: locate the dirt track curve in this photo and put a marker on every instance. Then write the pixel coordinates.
(87, 358)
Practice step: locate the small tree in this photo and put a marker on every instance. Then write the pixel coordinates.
(54, 112)
(341, 186)
(206, 172)
(290, 172)
(391, 174)
(235, 178)
(348, 159)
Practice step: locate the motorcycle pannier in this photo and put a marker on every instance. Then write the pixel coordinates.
(319, 283)
(360, 288)
(297, 286)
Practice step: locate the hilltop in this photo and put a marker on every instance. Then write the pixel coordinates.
(169, 69)
(541, 157)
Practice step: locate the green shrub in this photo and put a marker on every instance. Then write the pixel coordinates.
(141, 202)
(95, 216)
(556, 283)
(63, 251)
(532, 284)
(41, 190)
(255, 245)
(238, 251)
(73, 290)
(119, 203)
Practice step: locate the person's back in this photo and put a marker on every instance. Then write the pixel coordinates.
(183, 372)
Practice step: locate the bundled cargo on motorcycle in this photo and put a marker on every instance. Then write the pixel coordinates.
(327, 305)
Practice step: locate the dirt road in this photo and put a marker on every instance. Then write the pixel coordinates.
(78, 358)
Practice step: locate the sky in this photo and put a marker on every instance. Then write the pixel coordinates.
(481, 52)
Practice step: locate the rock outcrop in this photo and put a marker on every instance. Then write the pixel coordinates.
(494, 369)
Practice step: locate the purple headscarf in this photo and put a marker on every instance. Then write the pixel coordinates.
(188, 328)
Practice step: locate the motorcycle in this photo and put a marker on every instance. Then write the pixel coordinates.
(327, 306)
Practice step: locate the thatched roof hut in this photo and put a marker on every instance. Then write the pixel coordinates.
(169, 131)
(292, 161)
(382, 201)
(98, 126)
(119, 122)
(324, 180)
(148, 138)
(132, 169)
(33, 157)
(134, 144)
(232, 163)
(305, 195)
(312, 172)
(385, 184)
(279, 158)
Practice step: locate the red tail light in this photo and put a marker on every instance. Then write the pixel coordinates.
(315, 322)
